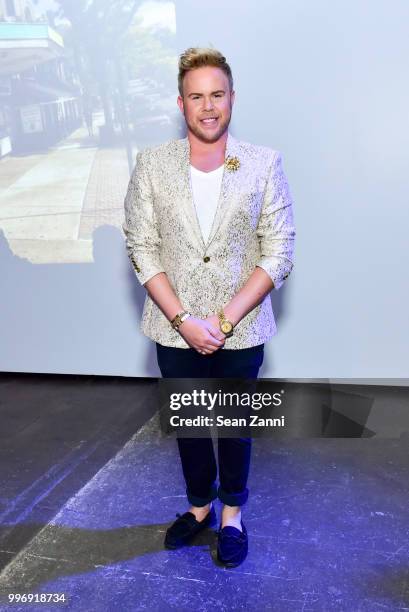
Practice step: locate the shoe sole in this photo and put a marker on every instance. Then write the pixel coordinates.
(230, 564)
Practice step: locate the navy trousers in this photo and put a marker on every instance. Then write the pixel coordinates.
(197, 454)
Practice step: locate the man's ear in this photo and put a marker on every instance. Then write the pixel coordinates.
(180, 104)
(232, 96)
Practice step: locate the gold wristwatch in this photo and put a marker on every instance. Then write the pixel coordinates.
(178, 320)
(225, 325)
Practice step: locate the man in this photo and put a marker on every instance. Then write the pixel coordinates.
(209, 230)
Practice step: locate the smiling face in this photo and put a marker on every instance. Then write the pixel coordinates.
(207, 102)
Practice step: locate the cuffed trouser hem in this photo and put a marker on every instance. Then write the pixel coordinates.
(202, 501)
(233, 499)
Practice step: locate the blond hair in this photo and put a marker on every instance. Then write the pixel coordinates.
(196, 57)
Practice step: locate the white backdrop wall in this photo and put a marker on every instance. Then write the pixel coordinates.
(326, 84)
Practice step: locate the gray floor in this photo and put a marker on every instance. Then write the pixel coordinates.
(328, 527)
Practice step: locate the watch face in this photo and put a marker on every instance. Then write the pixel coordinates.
(226, 327)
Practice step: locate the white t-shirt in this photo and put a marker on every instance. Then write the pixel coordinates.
(206, 191)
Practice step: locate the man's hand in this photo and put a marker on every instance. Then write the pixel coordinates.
(215, 326)
(203, 335)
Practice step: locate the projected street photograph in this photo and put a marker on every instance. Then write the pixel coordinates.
(83, 86)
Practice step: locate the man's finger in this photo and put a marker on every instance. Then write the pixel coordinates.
(216, 332)
(215, 341)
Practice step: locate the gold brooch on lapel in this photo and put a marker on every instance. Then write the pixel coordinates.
(232, 164)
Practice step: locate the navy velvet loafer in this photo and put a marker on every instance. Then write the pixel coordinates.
(186, 527)
(232, 545)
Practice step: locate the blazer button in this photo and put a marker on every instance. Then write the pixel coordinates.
(206, 258)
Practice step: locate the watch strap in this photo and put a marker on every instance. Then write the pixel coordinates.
(178, 320)
(222, 319)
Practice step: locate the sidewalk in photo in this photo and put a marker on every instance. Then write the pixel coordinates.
(50, 204)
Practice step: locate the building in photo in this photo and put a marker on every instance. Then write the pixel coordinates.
(39, 91)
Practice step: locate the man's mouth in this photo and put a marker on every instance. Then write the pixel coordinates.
(209, 120)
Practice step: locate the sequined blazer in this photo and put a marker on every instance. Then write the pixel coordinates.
(253, 226)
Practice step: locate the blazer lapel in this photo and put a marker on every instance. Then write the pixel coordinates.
(226, 190)
(187, 204)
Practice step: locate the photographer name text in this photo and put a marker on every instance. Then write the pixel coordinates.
(205, 421)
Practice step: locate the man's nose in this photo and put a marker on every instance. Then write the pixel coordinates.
(207, 103)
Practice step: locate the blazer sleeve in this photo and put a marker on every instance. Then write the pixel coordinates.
(275, 229)
(140, 226)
